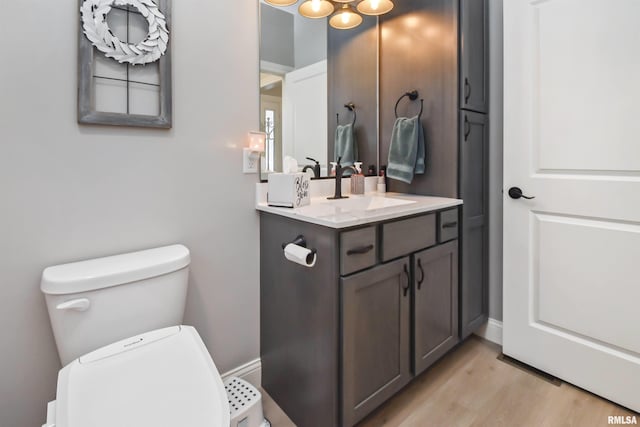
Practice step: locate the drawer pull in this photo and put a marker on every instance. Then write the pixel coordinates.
(450, 224)
(467, 127)
(421, 274)
(406, 287)
(467, 90)
(360, 250)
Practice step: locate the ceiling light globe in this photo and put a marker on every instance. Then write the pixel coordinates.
(345, 18)
(281, 3)
(316, 9)
(375, 7)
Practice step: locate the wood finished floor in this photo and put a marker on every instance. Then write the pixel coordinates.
(470, 387)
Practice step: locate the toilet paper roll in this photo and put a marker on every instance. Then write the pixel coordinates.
(300, 255)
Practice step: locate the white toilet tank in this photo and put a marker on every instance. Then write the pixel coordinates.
(100, 301)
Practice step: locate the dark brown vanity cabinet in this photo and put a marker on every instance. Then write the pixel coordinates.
(401, 316)
(376, 306)
(474, 164)
(379, 307)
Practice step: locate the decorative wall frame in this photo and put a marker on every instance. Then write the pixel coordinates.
(105, 51)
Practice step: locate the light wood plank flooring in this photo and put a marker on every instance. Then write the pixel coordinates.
(470, 387)
(273, 413)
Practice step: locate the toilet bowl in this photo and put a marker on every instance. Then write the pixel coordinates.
(162, 378)
(127, 361)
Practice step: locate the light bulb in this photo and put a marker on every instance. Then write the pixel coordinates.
(315, 5)
(375, 4)
(345, 17)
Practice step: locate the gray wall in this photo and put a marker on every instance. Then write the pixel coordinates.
(286, 38)
(69, 192)
(310, 40)
(276, 36)
(495, 154)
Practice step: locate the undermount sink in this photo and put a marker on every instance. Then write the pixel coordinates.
(367, 203)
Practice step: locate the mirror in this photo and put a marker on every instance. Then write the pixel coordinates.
(315, 79)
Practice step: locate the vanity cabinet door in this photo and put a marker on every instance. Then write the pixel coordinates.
(375, 337)
(474, 94)
(435, 304)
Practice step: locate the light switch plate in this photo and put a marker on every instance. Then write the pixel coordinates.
(250, 161)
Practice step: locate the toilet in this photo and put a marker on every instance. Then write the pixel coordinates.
(127, 359)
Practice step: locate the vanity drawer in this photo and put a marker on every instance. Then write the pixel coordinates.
(358, 249)
(410, 235)
(447, 225)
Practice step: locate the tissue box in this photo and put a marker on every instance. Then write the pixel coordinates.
(289, 190)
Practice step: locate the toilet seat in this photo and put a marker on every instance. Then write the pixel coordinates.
(163, 378)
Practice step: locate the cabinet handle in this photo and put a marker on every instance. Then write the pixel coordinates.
(467, 127)
(360, 250)
(452, 224)
(467, 90)
(406, 287)
(421, 274)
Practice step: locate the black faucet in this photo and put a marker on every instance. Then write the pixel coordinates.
(316, 168)
(339, 172)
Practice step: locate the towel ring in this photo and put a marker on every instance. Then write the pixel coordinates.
(351, 107)
(413, 95)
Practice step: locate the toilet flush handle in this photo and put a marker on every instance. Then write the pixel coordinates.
(81, 304)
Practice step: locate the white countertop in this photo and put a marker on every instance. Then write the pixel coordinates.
(351, 212)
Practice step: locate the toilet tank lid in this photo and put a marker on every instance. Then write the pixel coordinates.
(114, 270)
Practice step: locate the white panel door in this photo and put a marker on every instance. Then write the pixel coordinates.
(304, 113)
(572, 140)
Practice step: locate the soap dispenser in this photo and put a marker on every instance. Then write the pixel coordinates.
(357, 180)
(333, 168)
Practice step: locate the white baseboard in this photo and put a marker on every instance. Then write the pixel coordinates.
(491, 331)
(250, 371)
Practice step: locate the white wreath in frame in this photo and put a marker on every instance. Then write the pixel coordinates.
(94, 23)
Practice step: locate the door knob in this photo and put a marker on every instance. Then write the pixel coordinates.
(516, 193)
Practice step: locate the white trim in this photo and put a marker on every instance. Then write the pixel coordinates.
(275, 68)
(491, 331)
(51, 414)
(250, 371)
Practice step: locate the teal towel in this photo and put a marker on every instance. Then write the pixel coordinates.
(407, 151)
(345, 145)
